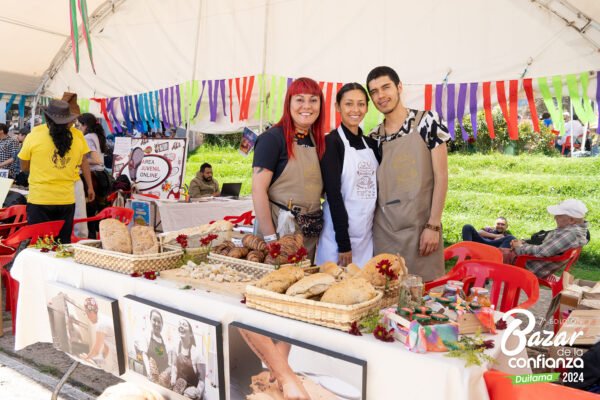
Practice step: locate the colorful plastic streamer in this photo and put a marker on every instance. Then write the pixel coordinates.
(487, 108)
(473, 106)
(527, 85)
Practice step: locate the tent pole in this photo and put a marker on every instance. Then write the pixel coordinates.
(264, 67)
(572, 116)
(187, 106)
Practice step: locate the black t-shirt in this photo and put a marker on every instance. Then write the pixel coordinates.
(331, 170)
(270, 151)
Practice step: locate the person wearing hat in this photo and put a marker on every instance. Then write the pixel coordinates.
(571, 232)
(53, 153)
(103, 349)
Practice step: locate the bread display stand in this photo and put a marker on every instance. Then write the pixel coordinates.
(331, 315)
(90, 252)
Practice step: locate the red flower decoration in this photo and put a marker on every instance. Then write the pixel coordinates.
(206, 240)
(354, 329)
(274, 249)
(471, 140)
(293, 259)
(488, 344)
(44, 250)
(501, 325)
(150, 275)
(54, 248)
(385, 268)
(301, 253)
(136, 275)
(383, 334)
(182, 240)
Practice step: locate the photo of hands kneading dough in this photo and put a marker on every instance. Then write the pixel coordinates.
(265, 366)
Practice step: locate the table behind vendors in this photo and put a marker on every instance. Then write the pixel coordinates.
(392, 370)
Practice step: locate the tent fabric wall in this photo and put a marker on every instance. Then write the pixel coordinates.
(145, 45)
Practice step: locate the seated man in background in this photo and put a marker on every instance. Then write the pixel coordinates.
(204, 185)
(497, 237)
(571, 232)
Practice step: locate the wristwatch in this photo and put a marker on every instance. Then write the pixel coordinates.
(435, 228)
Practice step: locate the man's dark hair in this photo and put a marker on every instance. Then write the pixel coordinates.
(204, 166)
(503, 219)
(378, 72)
(4, 128)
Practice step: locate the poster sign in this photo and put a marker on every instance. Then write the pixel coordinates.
(155, 165)
(142, 213)
(248, 141)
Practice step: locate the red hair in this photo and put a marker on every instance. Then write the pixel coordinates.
(303, 86)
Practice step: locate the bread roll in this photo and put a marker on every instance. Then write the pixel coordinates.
(349, 291)
(115, 236)
(352, 269)
(143, 240)
(238, 252)
(372, 274)
(280, 280)
(332, 269)
(312, 285)
(256, 256)
(253, 242)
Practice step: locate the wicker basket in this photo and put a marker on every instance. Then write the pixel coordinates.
(257, 270)
(90, 252)
(326, 314)
(390, 295)
(305, 265)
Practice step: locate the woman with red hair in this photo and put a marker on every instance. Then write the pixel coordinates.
(286, 173)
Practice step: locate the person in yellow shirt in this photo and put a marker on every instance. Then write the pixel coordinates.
(52, 154)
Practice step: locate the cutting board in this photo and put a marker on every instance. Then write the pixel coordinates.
(234, 289)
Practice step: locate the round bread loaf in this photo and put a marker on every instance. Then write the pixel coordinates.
(115, 236)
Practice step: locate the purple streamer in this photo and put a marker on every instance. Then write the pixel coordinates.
(473, 107)
(113, 114)
(439, 91)
(289, 81)
(460, 109)
(199, 100)
(212, 100)
(222, 83)
(178, 106)
(451, 109)
(598, 92)
(172, 97)
(164, 94)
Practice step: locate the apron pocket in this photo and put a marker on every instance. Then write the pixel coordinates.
(398, 213)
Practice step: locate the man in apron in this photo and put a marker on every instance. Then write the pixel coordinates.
(412, 178)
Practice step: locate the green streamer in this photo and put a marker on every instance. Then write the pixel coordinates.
(372, 119)
(588, 109)
(281, 89)
(86, 30)
(575, 98)
(272, 98)
(549, 102)
(261, 97)
(74, 33)
(558, 84)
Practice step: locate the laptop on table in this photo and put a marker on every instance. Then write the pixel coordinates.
(231, 190)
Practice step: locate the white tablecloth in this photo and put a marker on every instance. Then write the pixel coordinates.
(392, 371)
(176, 216)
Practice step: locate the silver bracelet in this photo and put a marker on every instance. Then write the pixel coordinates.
(270, 238)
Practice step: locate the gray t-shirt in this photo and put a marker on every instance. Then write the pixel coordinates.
(94, 145)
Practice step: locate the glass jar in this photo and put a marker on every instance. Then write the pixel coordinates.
(480, 296)
(411, 291)
(458, 284)
(450, 291)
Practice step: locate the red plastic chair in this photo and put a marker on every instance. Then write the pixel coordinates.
(472, 250)
(29, 233)
(125, 215)
(19, 213)
(507, 280)
(567, 145)
(554, 282)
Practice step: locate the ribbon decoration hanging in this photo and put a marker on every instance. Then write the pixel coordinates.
(338, 117)
(587, 104)
(509, 116)
(172, 105)
(113, 114)
(598, 92)
(237, 83)
(139, 123)
(327, 117)
(261, 99)
(460, 110)
(473, 106)
(247, 86)
(439, 92)
(199, 102)
(22, 106)
(179, 102)
(487, 108)
(527, 85)
(576, 98)
(10, 102)
(82, 5)
(124, 112)
(555, 112)
(139, 103)
(428, 98)
(557, 85)
(281, 89)
(451, 115)
(163, 110)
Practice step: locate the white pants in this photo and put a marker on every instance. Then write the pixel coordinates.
(80, 230)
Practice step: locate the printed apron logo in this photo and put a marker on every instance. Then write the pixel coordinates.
(365, 180)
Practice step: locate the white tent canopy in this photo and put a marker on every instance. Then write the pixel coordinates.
(145, 45)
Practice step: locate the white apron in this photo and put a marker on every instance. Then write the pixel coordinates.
(359, 192)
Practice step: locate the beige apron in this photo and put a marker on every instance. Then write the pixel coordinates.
(405, 181)
(300, 182)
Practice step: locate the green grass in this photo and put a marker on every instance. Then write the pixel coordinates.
(481, 187)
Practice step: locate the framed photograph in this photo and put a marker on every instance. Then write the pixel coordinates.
(174, 349)
(86, 326)
(266, 365)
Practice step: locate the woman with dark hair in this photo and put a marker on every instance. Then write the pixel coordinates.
(349, 169)
(187, 362)
(156, 348)
(96, 141)
(53, 154)
(286, 173)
